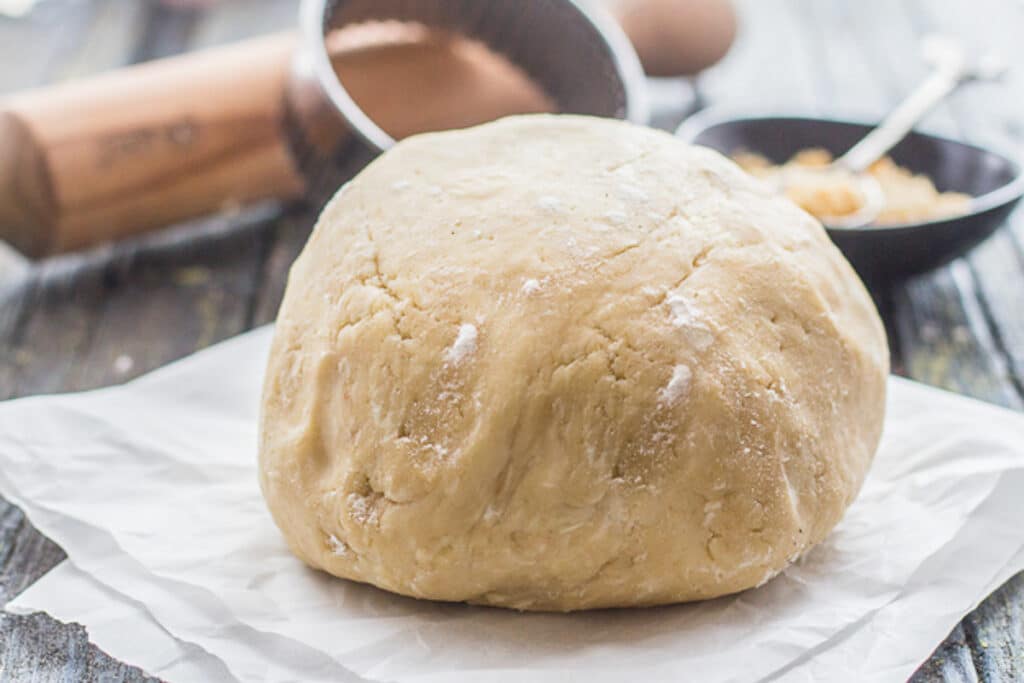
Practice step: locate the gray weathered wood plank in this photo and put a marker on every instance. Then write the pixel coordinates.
(172, 295)
(997, 268)
(58, 319)
(40, 650)
(25, 555)
(947, 340)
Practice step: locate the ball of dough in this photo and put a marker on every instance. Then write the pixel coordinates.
(559, 363)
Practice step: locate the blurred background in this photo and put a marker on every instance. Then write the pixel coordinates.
(106, 314)
(852, 58)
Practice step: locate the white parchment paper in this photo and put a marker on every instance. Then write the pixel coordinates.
(151, 489)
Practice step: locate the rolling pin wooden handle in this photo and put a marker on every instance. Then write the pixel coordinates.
(141, 147)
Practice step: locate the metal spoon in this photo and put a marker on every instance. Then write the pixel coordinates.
(951, 67)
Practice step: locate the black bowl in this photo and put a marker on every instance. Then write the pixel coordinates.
(892, 252)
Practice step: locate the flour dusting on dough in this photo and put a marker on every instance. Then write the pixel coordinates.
(438, 450)
(465, 344)
(684, 314)
(530, 287)
(687, 317)
(678, 385)
(338, 546)
(361, 509)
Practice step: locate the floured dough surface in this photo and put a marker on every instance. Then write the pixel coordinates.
(559, 363)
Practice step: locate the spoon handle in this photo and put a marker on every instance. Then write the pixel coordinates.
(942, 81)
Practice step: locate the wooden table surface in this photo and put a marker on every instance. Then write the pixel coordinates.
(105, 316)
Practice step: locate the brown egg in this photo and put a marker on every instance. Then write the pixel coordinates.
(677, 37)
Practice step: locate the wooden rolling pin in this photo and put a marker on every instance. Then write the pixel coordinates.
(139, 148)
(146, 146)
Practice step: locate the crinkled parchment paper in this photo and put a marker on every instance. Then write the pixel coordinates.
(175, 566)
